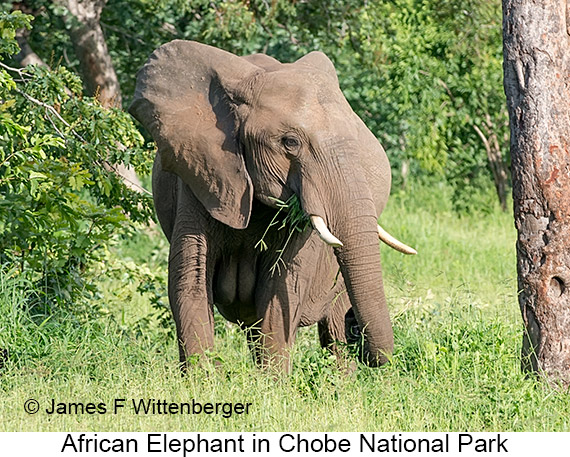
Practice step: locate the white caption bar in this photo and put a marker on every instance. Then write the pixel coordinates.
(286, 443)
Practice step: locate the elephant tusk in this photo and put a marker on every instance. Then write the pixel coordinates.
(319, 225)
(394, 243)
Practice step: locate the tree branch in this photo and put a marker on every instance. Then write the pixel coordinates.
(104, 163)
(484, 139)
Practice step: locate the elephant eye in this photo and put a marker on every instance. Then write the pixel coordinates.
(291, 142)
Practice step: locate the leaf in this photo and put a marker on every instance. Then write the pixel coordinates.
(6, 104)
(37, 175)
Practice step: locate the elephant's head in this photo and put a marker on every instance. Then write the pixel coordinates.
(235, 128)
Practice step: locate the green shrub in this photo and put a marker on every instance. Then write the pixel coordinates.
(60, 197)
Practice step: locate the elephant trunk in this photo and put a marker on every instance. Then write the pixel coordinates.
(359, 260)
(352, 218)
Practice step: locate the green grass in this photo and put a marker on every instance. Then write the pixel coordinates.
(456, 366)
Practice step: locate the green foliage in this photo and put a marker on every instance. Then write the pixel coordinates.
(60, 199)
(427, 75)
(289, 218)
(456, 365)
(9, 23)
(137, 269)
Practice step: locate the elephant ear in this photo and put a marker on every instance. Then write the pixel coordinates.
(184, 97)
(319, 61)
(264, 61)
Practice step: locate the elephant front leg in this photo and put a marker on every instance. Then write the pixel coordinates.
(189, 294)
(275, 337)
(279, 304)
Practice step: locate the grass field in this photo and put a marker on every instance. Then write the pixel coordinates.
(456, 365)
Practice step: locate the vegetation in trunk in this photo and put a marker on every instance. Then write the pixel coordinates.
(294, 220)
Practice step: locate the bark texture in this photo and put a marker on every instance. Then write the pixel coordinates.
(90, 47)
(537, 85)
(97, 70)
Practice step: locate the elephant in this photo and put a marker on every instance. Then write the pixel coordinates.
(235, 136)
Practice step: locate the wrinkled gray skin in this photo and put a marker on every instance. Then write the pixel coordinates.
(233, 133)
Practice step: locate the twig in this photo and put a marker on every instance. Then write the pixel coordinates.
(67, 61)
(8, 158)
(15, 70)
(484, 139)
(55, 127)
(53, 110)
(135, 186)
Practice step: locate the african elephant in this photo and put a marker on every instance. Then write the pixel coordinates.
(234, 136)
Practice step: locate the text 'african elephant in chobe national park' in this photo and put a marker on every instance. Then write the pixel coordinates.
(236, 136)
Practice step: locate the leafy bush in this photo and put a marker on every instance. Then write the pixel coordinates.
(427, 79)
(60, 196)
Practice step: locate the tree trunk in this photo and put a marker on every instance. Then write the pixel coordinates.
(97, 70)
(90, 47)
(537, 85)
(26, 56)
